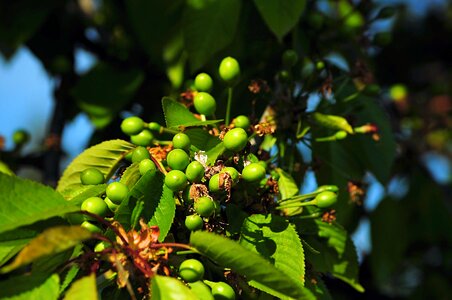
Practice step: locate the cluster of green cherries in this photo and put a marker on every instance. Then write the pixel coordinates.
(192, 272)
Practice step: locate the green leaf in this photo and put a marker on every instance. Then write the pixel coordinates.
(288, 188)
(344, 267)
(149, 190)
(201, 139)
(169, 288)
(214, 152)
(104, 156)
(280, 16)
(84, 192)
(5, 169)
(275, 238)
(154, 23)
(25, 202)
(332, 122)
(208, 27)
(52, 241)
(386, 222)
(230, 254)
(70, 276)
(105, 90)
(131, 175)
(286, 184)
(164, 212)
(318, 289)
(13, 241)
(334, 233)
(83, 289)
(176, 114)
(20, 20)
(34, 286)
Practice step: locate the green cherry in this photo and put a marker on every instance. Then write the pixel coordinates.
(140, 153)
(195, 171)
(233, 172)
(201, 290)
(91, 227)
(203, 82)
(205, 104)
(253, 172)
(91, 176)
(223, 291)
(289, 58)
(235, 139)
(146, 165)
(176, 180)
(229, 70)
(325, 199)
(117, 192)
(132, 125)
(214, 183)
(95, 205)
(241, 121)
(331, 188)
(204, 206)
(181, 141)
(191, 270)
(178, 159)
(143, 138)
(21, 137)
(194, 222)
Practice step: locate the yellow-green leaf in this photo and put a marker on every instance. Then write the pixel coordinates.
(51, 241)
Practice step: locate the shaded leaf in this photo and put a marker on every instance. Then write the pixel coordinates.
(343, 267)
(154, 23)
(25, 202)
(232, 255)
(52, 241)
(201, 139)
(83, 289)
(388, 223)
(275, 238)
(104, 156)
(34, 286)
(280, 16)
(214, 152)
(169, 288)
(13, 241)
(208, 27)
(131, 175)
(105, 90)
(288, 188)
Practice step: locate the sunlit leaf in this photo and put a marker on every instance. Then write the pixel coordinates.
(275, 238)
(104, 157)
(83, 289)
(34, 286)
(169, 288)
(230, 254)
(52, 241)
(25, 202)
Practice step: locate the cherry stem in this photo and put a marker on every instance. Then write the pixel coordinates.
(228, 107)
(107, 224)
(297, 204)
(177, 245)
